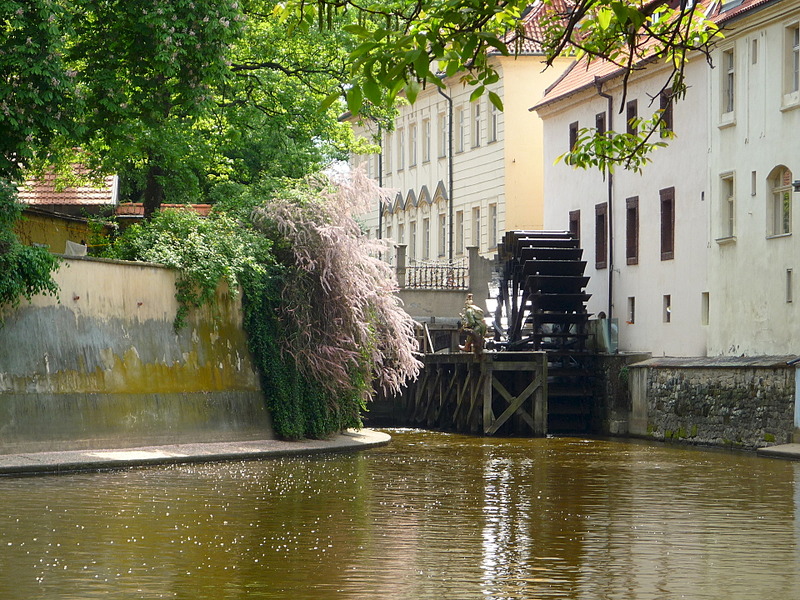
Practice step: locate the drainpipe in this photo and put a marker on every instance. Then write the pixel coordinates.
(380, 183)
(610, 183)
(449, 172)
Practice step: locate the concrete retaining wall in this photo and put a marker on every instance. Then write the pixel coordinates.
(101, 366)
(738, 402)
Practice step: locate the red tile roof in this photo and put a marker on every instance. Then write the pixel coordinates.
(136, 209)
(532, 25)
(43, 191)
(580, 75)
(727, 11)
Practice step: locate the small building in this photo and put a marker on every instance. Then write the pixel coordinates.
(56, 215)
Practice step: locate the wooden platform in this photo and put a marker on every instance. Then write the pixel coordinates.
(502, 393)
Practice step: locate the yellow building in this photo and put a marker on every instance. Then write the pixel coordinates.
(464, 172)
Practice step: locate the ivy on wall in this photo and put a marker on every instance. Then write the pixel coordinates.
(322, 320)
(24, 270)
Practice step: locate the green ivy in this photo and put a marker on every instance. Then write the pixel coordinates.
(300, 406)
(204, 251)
(26, 271)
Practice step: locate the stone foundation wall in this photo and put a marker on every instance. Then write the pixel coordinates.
(733, 402)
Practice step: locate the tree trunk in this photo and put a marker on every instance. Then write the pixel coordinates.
(153, 191)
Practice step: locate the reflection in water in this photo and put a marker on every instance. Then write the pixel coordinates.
(431, 516)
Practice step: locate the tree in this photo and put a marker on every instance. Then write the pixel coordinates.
(37, 103)
(404, 46)
(145, 71)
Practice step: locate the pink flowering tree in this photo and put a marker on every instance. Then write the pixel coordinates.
(338, 319)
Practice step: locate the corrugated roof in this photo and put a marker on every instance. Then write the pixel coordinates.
(42, 191)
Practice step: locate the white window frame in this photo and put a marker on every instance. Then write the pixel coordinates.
(476, 124)
(426, 238)
(779, 211)
(443, 134)
(401, 143)
(791, 76)
(426, 140)
(493, 226)
(412, 145)
(494, 124)
(728, 206)
(476, 227)
(387, 153)
(460, 232)
(461, 131)
(728, 86)
(442, 234)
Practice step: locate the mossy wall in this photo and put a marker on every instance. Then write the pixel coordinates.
(101, 365)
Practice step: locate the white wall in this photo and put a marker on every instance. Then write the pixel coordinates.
(681, 165)
(750, 313)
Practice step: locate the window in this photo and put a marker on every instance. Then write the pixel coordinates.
(573, 135)
(476, 227)
(631, 310)
(754, 51)
(426, 238)
(753, 183)
(426, 140)
(792, 62)
(665, 102)
(461, 132)
(388, 232)
(401, 233)
(632, 230)
(412, 145)
(704, 308)
(600, 123)
(443, 135)
(728, 203)
(494, 123)
(412, 240)
(667, 223)
(493, 226)
(667, 306)
(387, 153)
(460, 232)
(600, 236)
(401, 145)
(728, 81)
(779, 211)
(789, 294)
(476, 124)
(442, 234)
(575, 224)
(631, 117)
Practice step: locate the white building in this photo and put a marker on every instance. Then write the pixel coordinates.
(467, 186)
(754, 160)
(645, 236)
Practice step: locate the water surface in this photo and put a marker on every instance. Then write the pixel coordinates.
(431, 516)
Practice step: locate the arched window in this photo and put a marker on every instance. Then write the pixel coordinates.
(779, 209)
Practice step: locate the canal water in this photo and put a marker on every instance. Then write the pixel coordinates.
(431, 516)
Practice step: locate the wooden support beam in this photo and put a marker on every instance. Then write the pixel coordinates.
(514, 405)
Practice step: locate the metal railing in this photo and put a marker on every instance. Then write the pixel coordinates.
(437, 275)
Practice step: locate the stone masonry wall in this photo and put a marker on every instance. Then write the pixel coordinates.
(747, 405)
